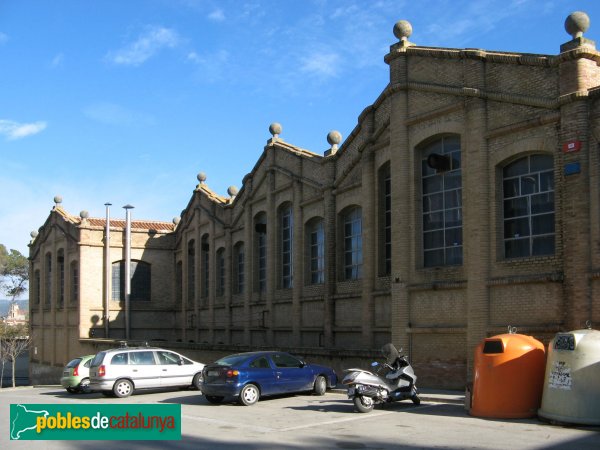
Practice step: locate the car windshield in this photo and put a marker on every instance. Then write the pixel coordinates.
(74, 362)
(232, 360)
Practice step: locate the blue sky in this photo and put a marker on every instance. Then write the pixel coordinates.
(125, 101)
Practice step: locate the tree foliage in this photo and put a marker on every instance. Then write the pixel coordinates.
(14, 272)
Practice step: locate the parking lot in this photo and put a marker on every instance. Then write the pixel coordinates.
(307, 421)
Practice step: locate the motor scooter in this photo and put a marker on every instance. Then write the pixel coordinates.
(392, 381)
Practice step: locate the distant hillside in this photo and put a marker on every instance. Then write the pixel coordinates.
(4, 304)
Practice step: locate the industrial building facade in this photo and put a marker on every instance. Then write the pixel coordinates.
(466, 199)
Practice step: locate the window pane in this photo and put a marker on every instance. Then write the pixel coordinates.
(453, 237)
(515, 228)
(432, 184)
(453, 218)
(434, 202)
(433, 221)
(453, 198)
(519, 167)
(542, 203)
(452, 180)
(541, 162)
(511, 188)
(546, 181)
(543, 224)
(515, 207)
(529, 184)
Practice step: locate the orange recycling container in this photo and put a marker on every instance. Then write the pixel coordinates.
(508, 377)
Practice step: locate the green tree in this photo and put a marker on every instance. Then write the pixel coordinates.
(14, 340)
(14, 270)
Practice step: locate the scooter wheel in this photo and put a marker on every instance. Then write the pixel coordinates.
(363, 404)
(416, 400)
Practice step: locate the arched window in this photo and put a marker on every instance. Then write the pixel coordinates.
(238, 267)
(220, 275)
(442, 202)
(48, 280)
(204, 260)
(191, 272)
(385, 220)
(352, 244)
(260, 228)
(315, 241)
(286, 247)
(74, 282)
(528, 193)
(60, 259)
(179, 282)
(140, 281)
(37, 286)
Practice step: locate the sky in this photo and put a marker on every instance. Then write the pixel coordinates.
(126, 101)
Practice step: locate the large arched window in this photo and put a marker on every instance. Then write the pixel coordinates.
(528, 193)
(48, 280)
(60, 259)
(315, 241)
(140, 281)
(74, 282)
(37, 286)
(238, 268)
(352, 243)
(204, 261)
(286, 247)
(384, 213)
(179, 282)
(220, 275)
(442, 202)
(191, 272)
(260, 228)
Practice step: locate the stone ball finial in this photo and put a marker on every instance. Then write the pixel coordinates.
(232, 191)
(577, 23)
(84, 214)
(176, 220)
(58, 199)
(402, 30)
(33, 234)
(275, 129)
(201, 177)
(334, 138)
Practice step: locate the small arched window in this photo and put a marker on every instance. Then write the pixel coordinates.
(286, 247)
(352, 243)
(140, 281)
(220, 275)
(238, 266)
(315, 241)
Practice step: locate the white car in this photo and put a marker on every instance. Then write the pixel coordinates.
(118, 372)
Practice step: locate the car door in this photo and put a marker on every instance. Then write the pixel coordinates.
(145, 371)
(290, 373)
(261, 371)
(173, 371)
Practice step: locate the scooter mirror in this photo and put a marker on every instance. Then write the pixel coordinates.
(374, 364)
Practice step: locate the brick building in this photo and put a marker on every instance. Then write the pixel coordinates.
(465, 200)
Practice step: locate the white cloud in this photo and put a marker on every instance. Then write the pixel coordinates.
(57, 61)
(113, 114)
(217, 15)
(147, 45)
(15, 130)
(321, 64)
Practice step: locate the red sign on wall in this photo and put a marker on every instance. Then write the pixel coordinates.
(571, 146)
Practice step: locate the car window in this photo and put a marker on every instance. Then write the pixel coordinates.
(168, 358)
(186, 361)
(232, 360)
(119, 359)
(142, 358)
(87, 363)
(260, 363)
(74, 362)
(285, 360)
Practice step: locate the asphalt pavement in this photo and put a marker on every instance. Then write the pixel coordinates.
(316, 422)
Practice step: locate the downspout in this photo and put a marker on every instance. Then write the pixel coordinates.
(107, 273)
(127, 268)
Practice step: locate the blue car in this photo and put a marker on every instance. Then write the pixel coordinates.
(249, 376)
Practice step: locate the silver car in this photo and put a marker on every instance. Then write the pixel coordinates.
(118, 372)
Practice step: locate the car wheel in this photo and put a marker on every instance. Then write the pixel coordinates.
(214, 399)
(123, 388)
(363, 404)
(72, 390)
(197, 381)
(249, 394)
(320, 385)
(84, 386)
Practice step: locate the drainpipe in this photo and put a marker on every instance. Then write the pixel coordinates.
(127, 267)
(107, 273)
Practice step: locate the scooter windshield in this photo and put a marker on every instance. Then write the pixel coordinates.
(390, 353)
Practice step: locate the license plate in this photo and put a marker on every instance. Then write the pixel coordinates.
(213, 373)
